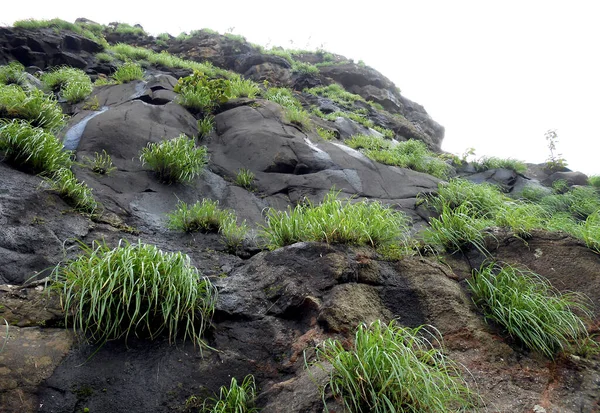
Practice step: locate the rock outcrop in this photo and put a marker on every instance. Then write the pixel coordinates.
(273, 307)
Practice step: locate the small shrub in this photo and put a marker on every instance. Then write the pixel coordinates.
(175, 160)
(33, 106)
(104, 57)
(335, 221)
(234, 399)
(245, 179)
(32, 148)
(243, 88)
(206, 125)
(456, 229)
(101, 163)
(203, 216)
(529, 308)
(134, 289)
(71, 83)
(393, 368)
(13, 74)
(128, 72)
(76, 193)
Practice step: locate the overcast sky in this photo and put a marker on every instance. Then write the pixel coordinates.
(496, 74)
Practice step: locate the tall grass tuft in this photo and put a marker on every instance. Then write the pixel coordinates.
(590, 231)
(33, 106)
(128, 72)
(71, 83)
(175, 160)
(335, 221)
(32, 148)
(457, 229)
(75, 192)
(529, 308)
(237, 398)
(13, 74)
(136, 289)
(394, 369)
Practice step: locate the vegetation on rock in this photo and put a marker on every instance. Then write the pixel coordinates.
(335, 221)
(33, 106)
(70, 83)
(135, 289)
(529, 308)
(175, 160)
(392, 369)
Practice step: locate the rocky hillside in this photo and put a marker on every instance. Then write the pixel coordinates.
(178, 212)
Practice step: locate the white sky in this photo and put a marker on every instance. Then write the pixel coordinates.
(496, 74)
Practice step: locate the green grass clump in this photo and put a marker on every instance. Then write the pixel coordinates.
(234, 399)
(394, 369)
(245, 179)
(411, 154)
(522, 218)
(205, 216)
(175, 160)
(128, 72)
(124, 28)
(358, 118)
(336, 93)
(77, 193)
(134, 289)
(326, 134)
(12, 74)
(33, 106)
(104, 57)
(457, 229)
(484, 200)
(71, 83)
(297, 116)
(593, 180)
(529, 308)
(243, 88)
(206, 126)
(32, 148)
(486, 163)
(198, 92)
(387, 133)
(127, 52)
(304, 68)
(367, 142)
(335, 221)
(82, 29)
(100, 164)
(283, 97)
(590, 231)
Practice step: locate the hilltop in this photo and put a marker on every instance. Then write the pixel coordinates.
(196, 208)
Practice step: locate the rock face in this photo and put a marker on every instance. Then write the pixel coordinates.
(273, 307)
